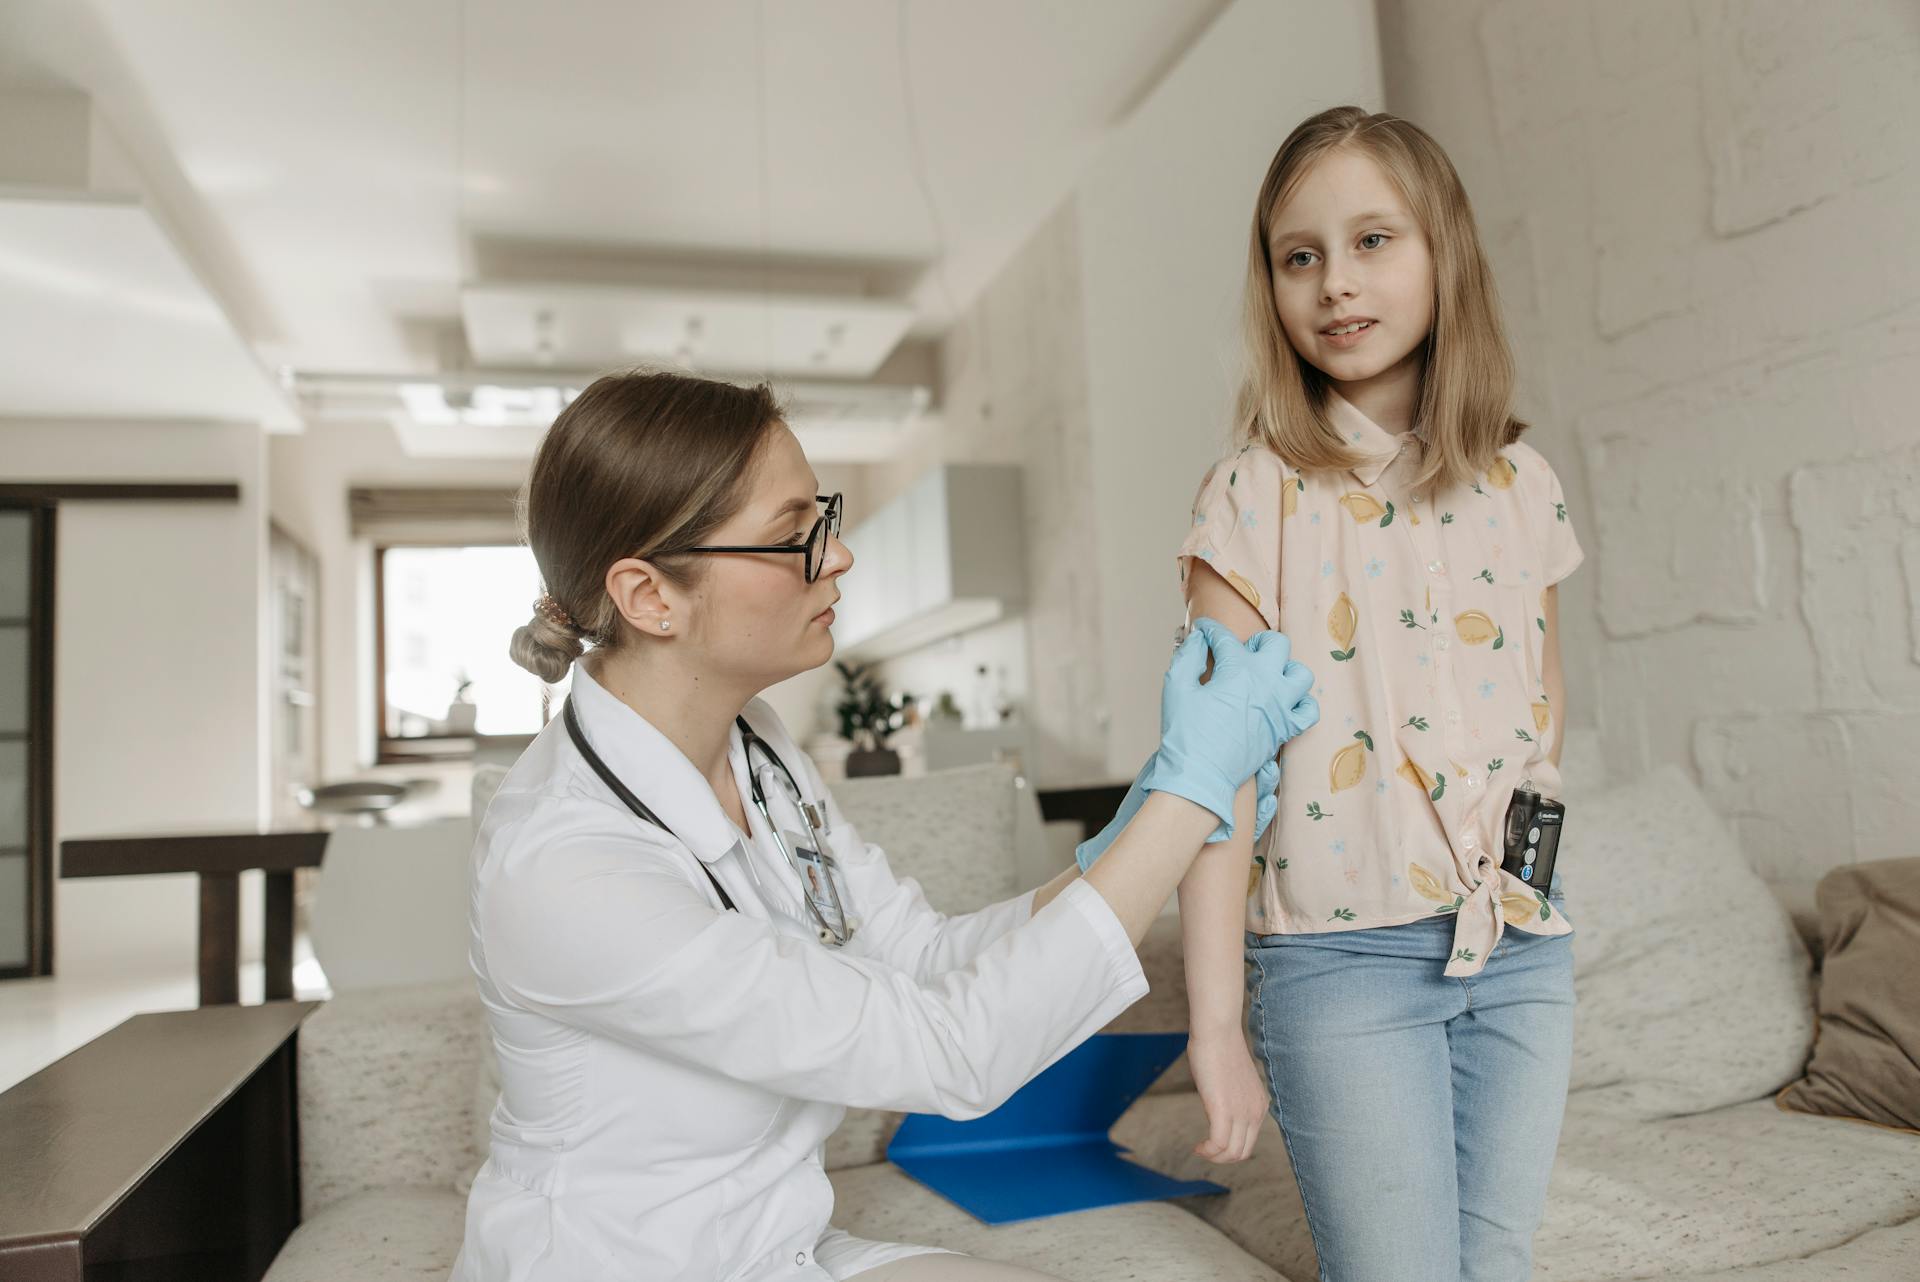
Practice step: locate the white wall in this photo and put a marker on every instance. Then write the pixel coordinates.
(1702, 217)
(1102, 359)
(159, 709)
(1163, 216)
(1014, 390)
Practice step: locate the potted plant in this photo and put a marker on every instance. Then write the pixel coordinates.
(462, 715)
(867, 717)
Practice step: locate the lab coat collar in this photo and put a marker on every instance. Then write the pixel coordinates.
(1377, 445)
(656, 771)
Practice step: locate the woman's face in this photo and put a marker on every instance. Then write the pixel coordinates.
(1344, 248)
(754, 614)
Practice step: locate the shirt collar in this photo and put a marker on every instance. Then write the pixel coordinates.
(656, 771)
(1377, 446)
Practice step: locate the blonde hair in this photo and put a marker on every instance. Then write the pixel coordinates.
(639, 465)
(1466, 389)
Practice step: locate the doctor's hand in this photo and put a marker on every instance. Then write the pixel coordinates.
(1266, 784)
(1215, 736)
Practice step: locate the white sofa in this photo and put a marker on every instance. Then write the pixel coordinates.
(1695, 1006)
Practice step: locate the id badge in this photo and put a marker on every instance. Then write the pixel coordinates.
(813, 878)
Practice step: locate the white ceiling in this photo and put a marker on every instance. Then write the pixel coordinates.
(343, 169)
(96, 282)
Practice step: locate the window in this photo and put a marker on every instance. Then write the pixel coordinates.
(446, 615)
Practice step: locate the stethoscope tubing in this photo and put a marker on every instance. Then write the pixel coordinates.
(749, 740)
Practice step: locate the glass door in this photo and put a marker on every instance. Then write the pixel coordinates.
(26, 748)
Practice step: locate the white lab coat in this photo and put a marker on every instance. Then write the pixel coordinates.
(670, 1071)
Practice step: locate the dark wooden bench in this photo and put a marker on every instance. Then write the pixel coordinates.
(164, 1150)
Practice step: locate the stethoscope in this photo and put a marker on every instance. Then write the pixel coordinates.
(819, 888)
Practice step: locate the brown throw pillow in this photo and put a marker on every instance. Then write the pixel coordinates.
(1866, 1055)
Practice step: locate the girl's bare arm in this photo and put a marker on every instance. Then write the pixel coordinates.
(1213, 906)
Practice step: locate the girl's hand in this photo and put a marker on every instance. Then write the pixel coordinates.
(1234, 1093)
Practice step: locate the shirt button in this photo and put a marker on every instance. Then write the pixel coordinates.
(1473, 781)
(1437, 567)
(1439, 643)
(1453, 718)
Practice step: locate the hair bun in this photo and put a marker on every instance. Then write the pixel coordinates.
(545, 648)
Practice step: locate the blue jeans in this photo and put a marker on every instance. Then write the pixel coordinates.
(1420, 1112)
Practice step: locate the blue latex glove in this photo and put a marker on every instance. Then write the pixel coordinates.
(1266, 784)
(1214, 737)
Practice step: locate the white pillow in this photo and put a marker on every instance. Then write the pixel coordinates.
(1583, 764)
(952, 831)
(1694, 990)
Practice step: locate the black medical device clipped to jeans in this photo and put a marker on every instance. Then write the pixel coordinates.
(1533, 837)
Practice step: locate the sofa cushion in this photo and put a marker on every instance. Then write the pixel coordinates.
(1694, 989)
(389, 1234)
(1881, 1255)
(387, 1091)
(390, 906)
(398, 1234)
(952, 831)
(1866, 1061)
(1154, 1240)
(1262, 1213)
(1735, 1188)
(862, 1138)
(1583, 766)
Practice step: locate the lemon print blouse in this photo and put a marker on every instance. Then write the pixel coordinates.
(1424, 622)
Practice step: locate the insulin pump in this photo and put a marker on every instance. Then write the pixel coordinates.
(1533, 831)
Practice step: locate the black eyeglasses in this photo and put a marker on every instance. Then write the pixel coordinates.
(816, 545)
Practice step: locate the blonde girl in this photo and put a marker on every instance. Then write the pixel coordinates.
(1410, 1004)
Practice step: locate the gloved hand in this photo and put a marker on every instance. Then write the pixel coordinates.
(1214, 737)
(1266, 784)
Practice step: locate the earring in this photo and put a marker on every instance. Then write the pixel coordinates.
(664, 625)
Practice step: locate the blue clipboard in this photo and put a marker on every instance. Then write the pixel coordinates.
(1045, 1151)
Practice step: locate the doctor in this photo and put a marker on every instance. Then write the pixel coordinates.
(689, 972)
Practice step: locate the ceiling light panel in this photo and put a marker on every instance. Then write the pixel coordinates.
(572, 326)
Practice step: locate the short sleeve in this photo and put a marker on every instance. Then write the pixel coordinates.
(1236, 526)
(1560, 551)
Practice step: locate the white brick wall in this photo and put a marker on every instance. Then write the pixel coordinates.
(1702, 215)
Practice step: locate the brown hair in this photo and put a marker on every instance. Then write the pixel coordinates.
(639, 465)
(1466, 391)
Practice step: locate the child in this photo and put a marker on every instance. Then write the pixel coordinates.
(1411, 1004)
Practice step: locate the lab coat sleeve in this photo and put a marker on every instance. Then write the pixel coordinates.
(897, 924)
(612, 934)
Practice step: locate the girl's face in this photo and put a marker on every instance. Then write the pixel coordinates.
(755, 618)
(1344, 249)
